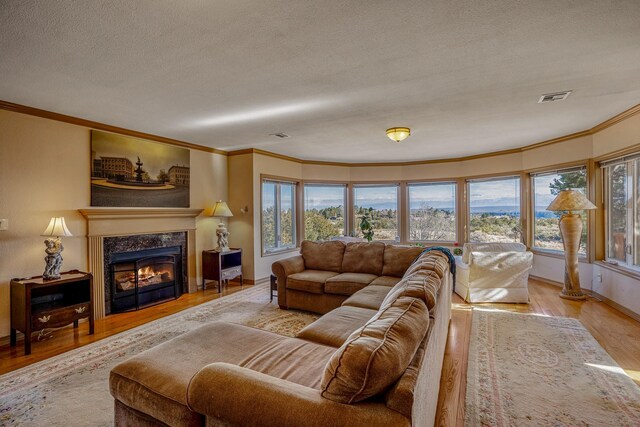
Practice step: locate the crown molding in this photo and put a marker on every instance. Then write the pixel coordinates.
(9, 106)
(616, 119)
(23, 109)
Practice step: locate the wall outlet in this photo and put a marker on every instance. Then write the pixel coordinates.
(4, 224)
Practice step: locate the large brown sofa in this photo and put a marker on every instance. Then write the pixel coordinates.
(325, 274)
(373, 361)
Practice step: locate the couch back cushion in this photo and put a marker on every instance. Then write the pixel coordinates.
(376, 355)
(363, 257)
(423, 284)
(431, 261)
(490, 247)
(325, 256)
(398, 258)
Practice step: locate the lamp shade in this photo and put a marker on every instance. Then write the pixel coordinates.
(57, 227)
(398, 134)
(220, 209)
(570, 200)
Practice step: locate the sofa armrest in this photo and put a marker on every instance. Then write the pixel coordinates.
(240, 396)
(282, 269)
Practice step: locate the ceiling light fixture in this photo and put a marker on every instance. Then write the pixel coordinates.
(398, 134)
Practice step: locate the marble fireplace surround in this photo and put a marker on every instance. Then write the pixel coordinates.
(108, 222)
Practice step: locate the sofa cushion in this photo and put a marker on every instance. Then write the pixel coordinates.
(376, 355)
(370, 297)
(423, 284)
(433, 261)
(385, 281)
(296, 360)
(363, 257)
(347, 283)
(309, 280)
(322, 255)
(398, 258)
(336, 326)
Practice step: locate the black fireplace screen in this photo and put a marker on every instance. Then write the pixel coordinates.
(143, 278)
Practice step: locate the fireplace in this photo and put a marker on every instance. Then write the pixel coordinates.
(118, 230)
(145, 277)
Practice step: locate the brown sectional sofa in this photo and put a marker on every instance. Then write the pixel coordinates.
(373, 361)
(325, 274)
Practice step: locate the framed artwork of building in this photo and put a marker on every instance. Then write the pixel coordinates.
(132, 172)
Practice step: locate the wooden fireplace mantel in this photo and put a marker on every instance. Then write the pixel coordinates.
(123, 221)
(107, 222)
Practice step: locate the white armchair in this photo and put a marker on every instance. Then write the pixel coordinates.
(493, 272)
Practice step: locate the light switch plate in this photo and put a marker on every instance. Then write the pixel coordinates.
(4, 224)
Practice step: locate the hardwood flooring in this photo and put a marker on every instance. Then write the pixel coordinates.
(616, 332)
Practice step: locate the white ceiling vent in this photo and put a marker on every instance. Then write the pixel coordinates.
(280, 135)
(551, 97)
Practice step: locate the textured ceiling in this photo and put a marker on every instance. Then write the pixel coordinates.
(464, 75)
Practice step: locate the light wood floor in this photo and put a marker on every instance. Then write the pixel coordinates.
(616, 332)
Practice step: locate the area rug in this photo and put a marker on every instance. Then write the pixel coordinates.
(533, 370)
(72, 389)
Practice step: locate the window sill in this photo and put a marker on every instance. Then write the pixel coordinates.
(281, 251)
(555, 254)
(625, 271)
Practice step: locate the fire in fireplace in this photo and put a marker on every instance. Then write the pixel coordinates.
(146, 277)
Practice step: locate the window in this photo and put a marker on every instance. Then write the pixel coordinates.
(546, 186)
(494, 210)
(278, 215)
(324, 211)
(379, 203)
(622, 195)
(432, 212)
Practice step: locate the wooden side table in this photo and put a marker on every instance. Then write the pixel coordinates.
(38, 304)
(221, 266)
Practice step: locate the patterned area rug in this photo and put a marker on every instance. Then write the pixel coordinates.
(532, 370)
(72, 389)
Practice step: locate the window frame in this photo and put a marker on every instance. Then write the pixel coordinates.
(456, 210)
(399, 213)
(559, 253)
(346, 199)
(294, 220)
(632, 196)
(501, 177)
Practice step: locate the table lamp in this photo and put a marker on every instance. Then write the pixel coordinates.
(56, 229)
(571, 231)
(221, 210)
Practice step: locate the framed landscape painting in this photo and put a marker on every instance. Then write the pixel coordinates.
(132, 172)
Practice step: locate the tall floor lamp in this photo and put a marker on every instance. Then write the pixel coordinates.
(571, 231)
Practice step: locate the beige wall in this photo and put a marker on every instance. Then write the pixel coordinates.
(45, 172)
(241, 225)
